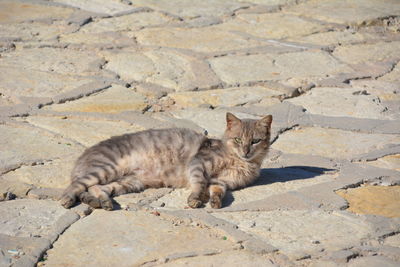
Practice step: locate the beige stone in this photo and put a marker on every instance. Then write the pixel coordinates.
(331, 143)
(113, 100)
(341, 102)
(367, 53)
(111, 7)
(332, 38)
(346, 12)
(207, 39)
(53, 60)
(183, 8)
(393, 76)
(222, 97)
(15, 11)
(240, 69)
(16, 81)
(293, 232)
(136, 237)
(377, 200)
(88, 39)
(387, 162)
(162, 67)
(271, 25)
(50, 174)
(22, 143)
(385, 90)
(86, 131)
(130, 22)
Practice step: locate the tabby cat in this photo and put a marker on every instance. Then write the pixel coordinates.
(171, 158)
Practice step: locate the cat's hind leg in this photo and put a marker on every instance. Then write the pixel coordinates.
(100, 195)
(77, 187)
(217, 192)
(198, 185)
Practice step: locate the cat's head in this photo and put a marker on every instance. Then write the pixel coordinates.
(249, 139)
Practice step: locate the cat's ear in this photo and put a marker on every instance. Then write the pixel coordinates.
(232, 121)
(265, 122)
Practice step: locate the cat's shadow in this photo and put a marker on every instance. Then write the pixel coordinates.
(280, 175)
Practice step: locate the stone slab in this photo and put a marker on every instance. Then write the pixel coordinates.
(271, 25)
(333, 38)
(84, 130)
(115, 99)
(387, 162)
(28, 83)
(52, 174)
(185, 9)
(331, 142)
(296, 233)
(136, 237)
(165, 68)
(342, 102)
(222, 97)
(19, 11)
(97, 6)
(22, 144)
(373, 261)
(54, 60)
(131, 22)
(240, 69)
(35, 218)
(355, 12)
(368, 53)
(204, 40)
(378, 200)
(393, 76)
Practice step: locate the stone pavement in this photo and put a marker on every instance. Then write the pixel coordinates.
(74, 72)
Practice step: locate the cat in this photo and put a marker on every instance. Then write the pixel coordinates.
(175, 157)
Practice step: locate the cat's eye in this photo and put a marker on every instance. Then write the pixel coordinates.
(238, 140)
(255, 141)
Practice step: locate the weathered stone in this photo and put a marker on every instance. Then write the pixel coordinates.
(333, 38)
(138, 237)
(385, 90)
(192, 9)
(331, 143)
(293, 232)
(28, 83)
(23, 144)
(46, 193)
(166, 68)
(269, 2)
(34, 218)
(53, 174)
(89, 40)
(372, 261)
(228, 258)
(367, 53)
(393, 241)
(388, 162)
(143, 198)
(62, 61)
(347, 12)
(34, 31)
(15, 11)
(213, 121)
(208, 39)
(21, 251)
(378, 200)
(130, 22)
(241, 69)
(271, 25)
(341, 102)
(13, 187)
(393, 76)
(113, 100)
(87, 131)
(222, 97)
(276, 181)
(97, 6)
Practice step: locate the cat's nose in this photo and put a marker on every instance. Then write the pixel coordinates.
(247, 152)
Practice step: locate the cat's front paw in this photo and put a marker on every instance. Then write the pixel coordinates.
(215, 202)
(194, 202)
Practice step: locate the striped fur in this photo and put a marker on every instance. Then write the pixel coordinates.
(171, 158)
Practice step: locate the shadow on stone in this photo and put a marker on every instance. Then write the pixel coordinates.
(281, 175)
